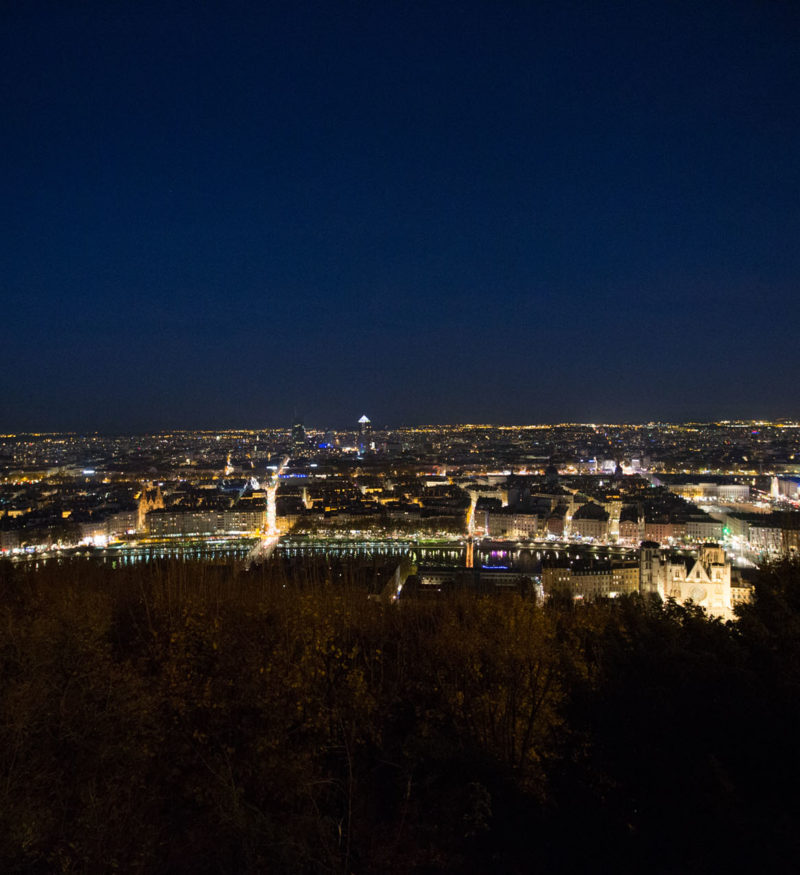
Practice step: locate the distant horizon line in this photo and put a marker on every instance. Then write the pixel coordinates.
(780, 421)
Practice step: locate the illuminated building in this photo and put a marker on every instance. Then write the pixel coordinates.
(298, 433)
(629, 526)
(150, 499)
(364, 433)
(704, 580)
(591, 521)
(592, 580)
(703, 529)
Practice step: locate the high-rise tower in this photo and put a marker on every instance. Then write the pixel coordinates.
(298, 433)
(364, 433)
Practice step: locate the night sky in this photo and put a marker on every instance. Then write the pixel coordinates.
(220, 214)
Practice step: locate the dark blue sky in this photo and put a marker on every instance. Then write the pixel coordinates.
(432, 212)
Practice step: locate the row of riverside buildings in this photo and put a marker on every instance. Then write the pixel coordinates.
(600, 522)
(765, 534)
(705, 578)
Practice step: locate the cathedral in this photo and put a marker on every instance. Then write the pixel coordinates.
(149, 499)
(705, 579)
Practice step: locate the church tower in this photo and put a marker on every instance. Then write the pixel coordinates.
(149, 499)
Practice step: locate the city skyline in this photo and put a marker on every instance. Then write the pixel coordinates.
(248, 493)
(364, 633)
(343, 427)
(453, 214)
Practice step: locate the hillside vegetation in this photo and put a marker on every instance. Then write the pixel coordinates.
(184, 717)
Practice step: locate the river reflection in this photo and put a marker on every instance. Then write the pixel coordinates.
(526, 558)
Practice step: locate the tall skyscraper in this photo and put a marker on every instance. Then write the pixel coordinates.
(364, 433)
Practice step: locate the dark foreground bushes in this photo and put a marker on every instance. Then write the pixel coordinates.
(188, 718)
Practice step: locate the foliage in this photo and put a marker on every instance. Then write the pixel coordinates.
(185, 717)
